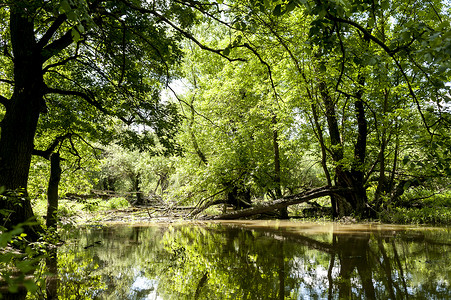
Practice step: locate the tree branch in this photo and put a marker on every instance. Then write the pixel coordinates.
(414, 97)
(51, 31)
(57, 46)
(64, 61)
(192, 107)
(46, 153)
(246, 45)
(87, 98)
(11, 82)
(365, 32)
(180, 30)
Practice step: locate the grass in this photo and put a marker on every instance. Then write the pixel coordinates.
(69, 208)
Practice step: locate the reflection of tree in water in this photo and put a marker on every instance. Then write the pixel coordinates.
(353, 254)
(220, 262)
(369, 266)
(244, 264)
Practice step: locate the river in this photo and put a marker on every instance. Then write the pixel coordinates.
(254, 260)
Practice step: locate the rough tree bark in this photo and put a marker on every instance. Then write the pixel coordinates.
(351, 178)
(19, 124)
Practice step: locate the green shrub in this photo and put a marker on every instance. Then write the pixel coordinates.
(18, 259)
(426, 197)
(118, 202)
(426, 215)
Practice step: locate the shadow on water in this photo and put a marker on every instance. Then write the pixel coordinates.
(254, 260)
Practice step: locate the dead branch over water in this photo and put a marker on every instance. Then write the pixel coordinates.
(279, 203)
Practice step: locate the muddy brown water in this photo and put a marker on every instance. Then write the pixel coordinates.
(255, 260)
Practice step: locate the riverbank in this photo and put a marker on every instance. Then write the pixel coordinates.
(117, 211)
(135, 215)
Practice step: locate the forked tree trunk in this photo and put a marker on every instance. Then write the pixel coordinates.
(353, 201)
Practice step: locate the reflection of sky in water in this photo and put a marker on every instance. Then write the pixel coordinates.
(144, 288)
(231, 264)
(316, 283)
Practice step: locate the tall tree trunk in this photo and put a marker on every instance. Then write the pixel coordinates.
(359, 200)
(22, 113)
(277, 178)
(343, 206)
(319, 133)
(382, 184)
(52, 192)
(354, 201)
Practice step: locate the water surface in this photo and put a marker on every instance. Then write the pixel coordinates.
(256, 260)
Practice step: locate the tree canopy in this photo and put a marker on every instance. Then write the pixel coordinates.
(280, 97)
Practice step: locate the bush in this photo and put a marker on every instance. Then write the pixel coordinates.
(118, 202)
(427, 215)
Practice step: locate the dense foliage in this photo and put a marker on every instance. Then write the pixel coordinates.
(274, 97)
(353, 95)
(264, 99)
(234, 102)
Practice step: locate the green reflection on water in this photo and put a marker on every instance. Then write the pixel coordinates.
(256, 260)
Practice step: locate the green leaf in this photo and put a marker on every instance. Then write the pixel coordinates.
(406, 159)
(291, 6)
(71, 15)
(65, 6)
(277, 10)
(80, 28)
(226, 51)
(406, 185)
(31, 286)
(75, 35)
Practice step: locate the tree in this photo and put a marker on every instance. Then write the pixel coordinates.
(95, 61)
(371, 56)
(237, 130)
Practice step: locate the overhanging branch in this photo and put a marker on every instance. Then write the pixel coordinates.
(247, 46)
(180, 30)
(46, 153)
(88, 98)
(57, 46)
(365, 32)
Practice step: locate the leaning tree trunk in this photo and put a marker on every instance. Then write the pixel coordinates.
(278, 204)
(20, 121)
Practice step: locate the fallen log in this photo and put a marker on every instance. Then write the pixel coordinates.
(279, 203)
